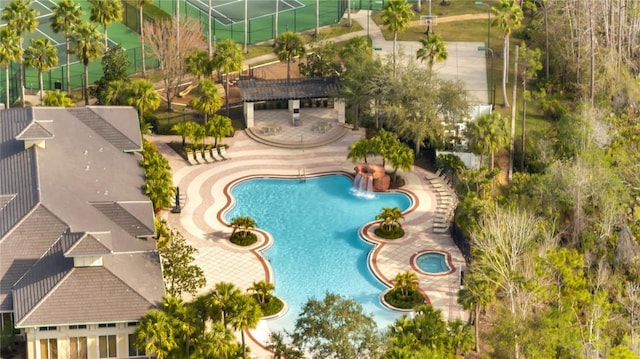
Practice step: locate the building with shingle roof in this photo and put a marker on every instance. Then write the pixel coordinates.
(78, 260)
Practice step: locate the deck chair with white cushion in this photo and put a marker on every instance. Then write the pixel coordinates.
(191, 158)
(215, 155)
(223, 152)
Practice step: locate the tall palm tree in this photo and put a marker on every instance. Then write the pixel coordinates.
(396, 15)
(289, 45)
(65, 17)
(105, 12)
(87, 45)
(433, 49)
(245, 314)
(209, 102)
(360, 149)
(221, 298)
(42, 56)
(390, 217)
(475, 297)
(154, 334)
(242, 225)
(143, 97)
(407, 281)
(431, 329)
(487, 134)
(262, 290)
(228, 58)
(218, 128)
(10, 50)
(22, 18)
(141, 4)
(508, 17)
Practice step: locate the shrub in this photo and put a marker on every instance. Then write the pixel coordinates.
(394, 233)
(244, 240)
(272, 305)
(395, 298)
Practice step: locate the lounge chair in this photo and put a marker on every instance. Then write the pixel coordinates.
(223, 152)
(215, 155)
(208, 157)
(191, 158)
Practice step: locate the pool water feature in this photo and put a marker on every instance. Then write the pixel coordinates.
(432, 263)
(317, 248)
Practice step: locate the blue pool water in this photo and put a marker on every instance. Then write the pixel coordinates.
(316, 247)
(432, 262)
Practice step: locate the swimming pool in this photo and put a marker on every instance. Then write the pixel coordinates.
(316, 246)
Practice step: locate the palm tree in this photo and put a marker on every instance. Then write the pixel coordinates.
(22, 18)
(228, 58)
(431, 329)
(245, 314)
(117, 93)
(218, 128)
(57, 98)
(42, 56)
(10, 50)
(209, 102)
(222, 296)
(475, 297)
(400, 157)
(508, 17)
(143, 97)
(487, 134)
(242, 224)
(396, 15)
(390, 217)
(262, 290)
(460, 337)
(141, 4)
(199, 64)
(65, 17)
(154, 334)
(183, 129)
(406, 281)
(105, 12)
(289, 45)
(433, 49)
(87, 45)
(360, 150)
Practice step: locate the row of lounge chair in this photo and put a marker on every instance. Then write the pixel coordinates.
(207, 156)
(446, 201)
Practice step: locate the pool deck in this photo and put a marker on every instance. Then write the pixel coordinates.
(203, 191)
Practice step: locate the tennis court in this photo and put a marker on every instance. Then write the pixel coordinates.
(228, 12)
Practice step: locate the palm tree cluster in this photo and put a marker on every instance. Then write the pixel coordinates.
(390, 220)
(226, 59)
(242, 226)
(202, 328)
(385, 145)
(158, 178)
(428, 335)
(217, 127)
(81, 38)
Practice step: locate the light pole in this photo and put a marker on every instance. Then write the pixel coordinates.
(480, 3)
(492, 86)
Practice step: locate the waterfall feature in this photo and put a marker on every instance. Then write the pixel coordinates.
(363, 186)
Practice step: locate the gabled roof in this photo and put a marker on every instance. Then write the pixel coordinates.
(24, 246)
(294, 89)
(89, 295)
(35, 131)
(87, 245)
